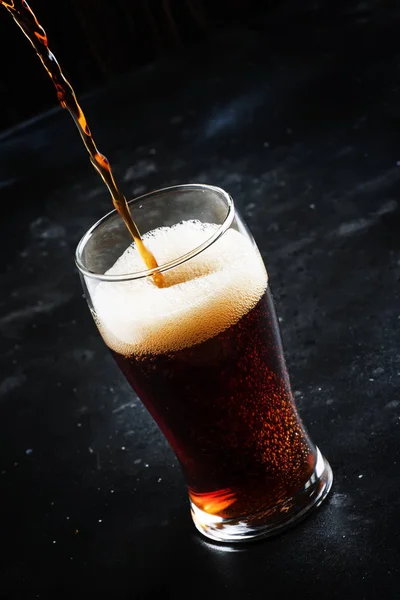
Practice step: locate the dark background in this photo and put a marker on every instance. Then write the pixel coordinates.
(293, 108)
(96, 40)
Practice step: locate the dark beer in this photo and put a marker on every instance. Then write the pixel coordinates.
(224, 404)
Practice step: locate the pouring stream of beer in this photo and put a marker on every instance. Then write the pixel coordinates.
(26, 20)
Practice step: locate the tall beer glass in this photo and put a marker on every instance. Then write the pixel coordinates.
(204, 355)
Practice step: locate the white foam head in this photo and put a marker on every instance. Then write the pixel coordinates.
(204, 296)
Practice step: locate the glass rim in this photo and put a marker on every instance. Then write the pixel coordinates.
(222, 228)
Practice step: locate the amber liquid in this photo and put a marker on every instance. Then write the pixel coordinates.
(26, 20)
(227, 410)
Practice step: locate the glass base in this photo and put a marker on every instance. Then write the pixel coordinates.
(271, 521)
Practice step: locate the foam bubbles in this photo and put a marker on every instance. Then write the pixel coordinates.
(202, 297)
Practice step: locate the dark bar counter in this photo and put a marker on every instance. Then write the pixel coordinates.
(297, 116)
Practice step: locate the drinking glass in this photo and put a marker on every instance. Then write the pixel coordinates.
(204, 354)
